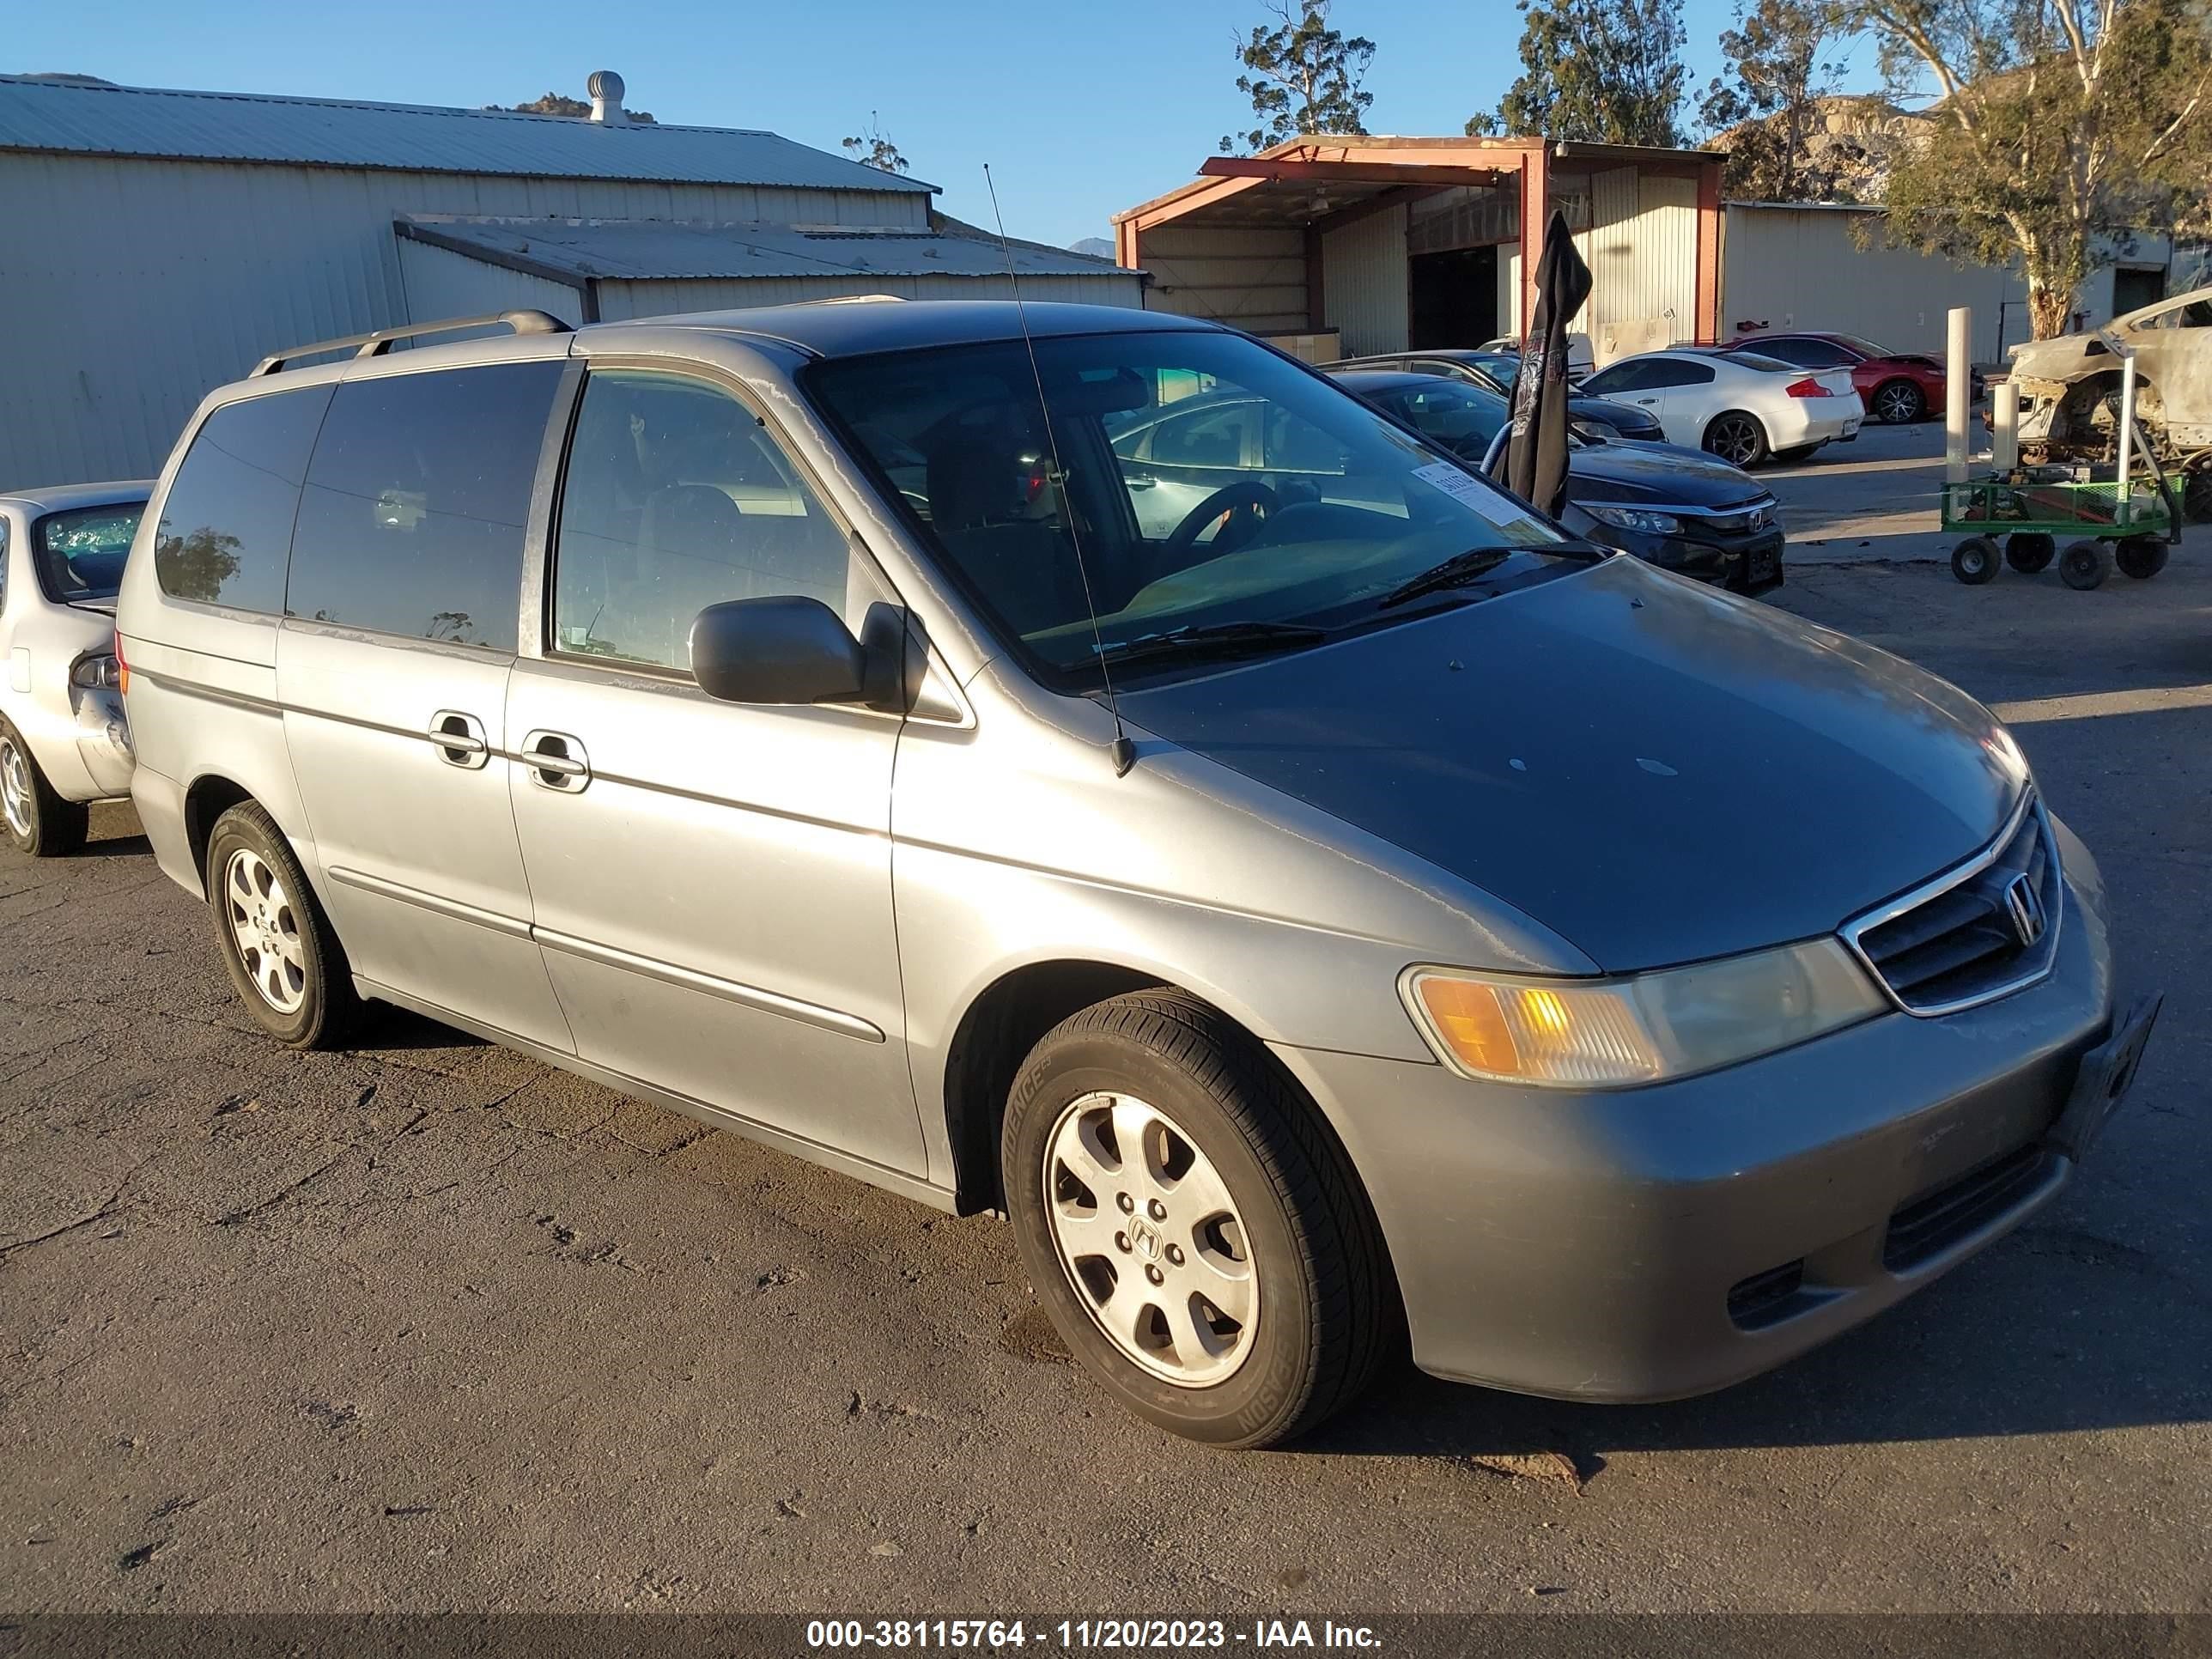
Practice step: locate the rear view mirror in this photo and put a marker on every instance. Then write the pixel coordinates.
(790, 649)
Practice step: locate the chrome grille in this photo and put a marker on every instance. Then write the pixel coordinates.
(1975, 934)
(1734, 520)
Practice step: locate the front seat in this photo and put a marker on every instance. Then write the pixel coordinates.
(979, 505)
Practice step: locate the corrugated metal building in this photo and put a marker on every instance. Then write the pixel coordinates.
(165, 240)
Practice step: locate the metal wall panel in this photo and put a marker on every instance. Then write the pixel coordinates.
(1785, 267)
(442, 283)
(148, 282)
(1642, 248)
(1364, 282)
(1251, 276)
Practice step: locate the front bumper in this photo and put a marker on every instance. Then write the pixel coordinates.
(1653, 1244)
(1749, 563)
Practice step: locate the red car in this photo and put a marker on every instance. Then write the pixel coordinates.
(1898, 387)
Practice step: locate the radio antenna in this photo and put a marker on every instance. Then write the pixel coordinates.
(1123, 751)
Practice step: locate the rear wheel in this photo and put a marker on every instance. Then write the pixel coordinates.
(1196, 1234)
(1974, 560)
(38, 821)
(1898, 403)
(1737, 438)
(2141, 556)
(2197, 496)
(283, 958)
(2030, 551)
(2085, 564)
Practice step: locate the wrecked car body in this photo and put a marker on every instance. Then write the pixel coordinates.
(2069, 390)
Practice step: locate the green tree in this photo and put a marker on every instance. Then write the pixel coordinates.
(1302, 76)
(2062, 126)
(1768, 107)
(874, 148)
(559, 103)
(1601, 71)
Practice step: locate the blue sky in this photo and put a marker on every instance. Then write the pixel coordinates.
(1080, 110)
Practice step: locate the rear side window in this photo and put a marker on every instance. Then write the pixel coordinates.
(413, 517)
(80, 553)
(226, 522)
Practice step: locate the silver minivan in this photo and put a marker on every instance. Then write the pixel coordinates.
(1353, 915)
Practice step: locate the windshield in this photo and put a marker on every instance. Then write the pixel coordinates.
(80, 553)
(1767, 364)
(1210, 482)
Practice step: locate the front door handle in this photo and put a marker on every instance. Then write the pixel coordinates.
(1647, 402)
(557, 762)
(460, 739)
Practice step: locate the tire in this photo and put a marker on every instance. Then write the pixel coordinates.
(284, 959)
(2084, 565)
(1974, 560)
(2197, 496)
(1300, 1331)
(1898, 403)
(2141, 556)
(2030, 551)
(1737, 437)
(37, 821)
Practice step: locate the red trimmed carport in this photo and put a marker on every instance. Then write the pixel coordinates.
(1253, 239)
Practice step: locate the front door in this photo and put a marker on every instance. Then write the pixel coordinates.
(392, 665)
(712, 882)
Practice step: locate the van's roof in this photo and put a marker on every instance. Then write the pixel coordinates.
(850, 328)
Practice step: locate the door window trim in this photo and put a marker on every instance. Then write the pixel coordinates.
(541, 554)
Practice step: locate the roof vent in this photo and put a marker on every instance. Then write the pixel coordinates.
(607, 89)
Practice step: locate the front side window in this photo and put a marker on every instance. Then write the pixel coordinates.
(413, 516)
(2197, 313)
(80, 553)
(226, 528)
(675, 497)
(1316, 511)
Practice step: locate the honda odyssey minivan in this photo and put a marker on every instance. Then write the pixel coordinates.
(1352, 915)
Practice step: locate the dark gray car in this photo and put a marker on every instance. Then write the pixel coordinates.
(1355, 909)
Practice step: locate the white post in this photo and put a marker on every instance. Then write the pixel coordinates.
(2124, 496)
(1958, 383)
(2004, 416)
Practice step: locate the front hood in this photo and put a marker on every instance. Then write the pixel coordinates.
(1657, 472)
(1656, 772)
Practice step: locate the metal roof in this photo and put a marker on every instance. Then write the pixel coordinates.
(649, 250)
(72, 116)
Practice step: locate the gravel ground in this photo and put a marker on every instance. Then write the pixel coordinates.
(428, 1325)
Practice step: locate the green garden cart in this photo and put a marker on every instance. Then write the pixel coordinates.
(2033, 507)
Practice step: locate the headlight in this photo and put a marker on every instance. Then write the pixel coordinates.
(1633, 517)
(96, 671)
(1646, 1028)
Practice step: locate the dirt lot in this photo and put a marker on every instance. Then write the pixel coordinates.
(429, 1326)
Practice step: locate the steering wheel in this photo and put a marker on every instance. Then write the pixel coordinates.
(1249, 495)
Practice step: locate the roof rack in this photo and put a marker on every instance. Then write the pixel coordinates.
(376, 344)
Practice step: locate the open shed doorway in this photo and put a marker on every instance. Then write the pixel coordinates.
(1452, 298)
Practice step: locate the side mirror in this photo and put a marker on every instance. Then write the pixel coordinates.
(791, 649)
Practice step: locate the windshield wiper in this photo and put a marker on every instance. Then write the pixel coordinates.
(1457, 571)
(1236, 638)
(1462, 569)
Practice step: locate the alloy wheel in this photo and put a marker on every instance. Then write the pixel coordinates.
(265, 926)
(1897, 403)
(1735, 439)
(1149, 1237)
(16, 799)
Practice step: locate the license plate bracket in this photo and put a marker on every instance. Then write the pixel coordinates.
(2108, 1071)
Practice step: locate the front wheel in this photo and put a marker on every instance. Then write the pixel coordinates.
(1898, 403)
(2141, 556)
(1974, 560)
(1737, 438)
(37, 821)
(1195, 1234)
(2030, 551)
(283, 958)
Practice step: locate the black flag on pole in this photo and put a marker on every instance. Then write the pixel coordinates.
(1536, 455)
